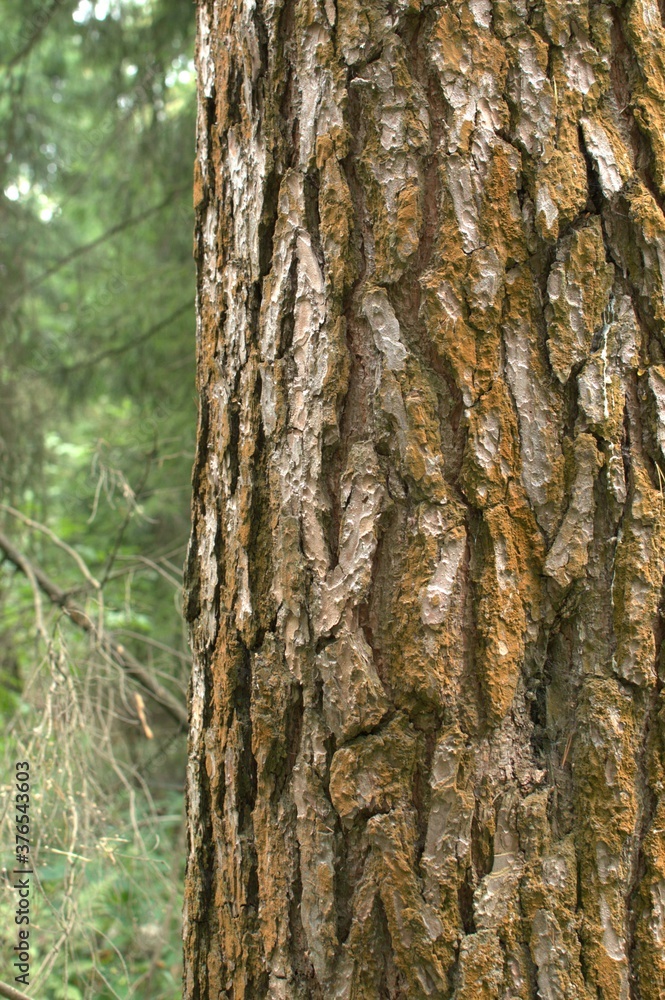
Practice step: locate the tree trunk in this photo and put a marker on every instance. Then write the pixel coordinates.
(424, 582)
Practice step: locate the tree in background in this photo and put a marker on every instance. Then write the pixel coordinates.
(96, 438)
(425, 576)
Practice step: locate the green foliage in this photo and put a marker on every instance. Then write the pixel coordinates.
(97, 429)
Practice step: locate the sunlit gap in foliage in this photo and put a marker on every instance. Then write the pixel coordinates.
(87, 11)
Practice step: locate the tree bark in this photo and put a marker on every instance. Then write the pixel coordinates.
(425, 576)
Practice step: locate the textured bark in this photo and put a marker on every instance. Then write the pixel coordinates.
(425, 577)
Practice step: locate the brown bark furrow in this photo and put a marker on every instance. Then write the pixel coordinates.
(426, 751)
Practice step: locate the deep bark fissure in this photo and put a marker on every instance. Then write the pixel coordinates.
(648, 802)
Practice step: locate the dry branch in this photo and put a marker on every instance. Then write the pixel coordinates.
(76, 613)
(11, 994)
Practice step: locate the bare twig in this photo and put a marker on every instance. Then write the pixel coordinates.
(183, 657)
(131, 509)
(26, 567)
(76, 613)
(569, 743)
(11, 994)
(151, 564)
(56, 541)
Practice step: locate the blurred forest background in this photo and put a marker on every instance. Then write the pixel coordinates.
(97, 425)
